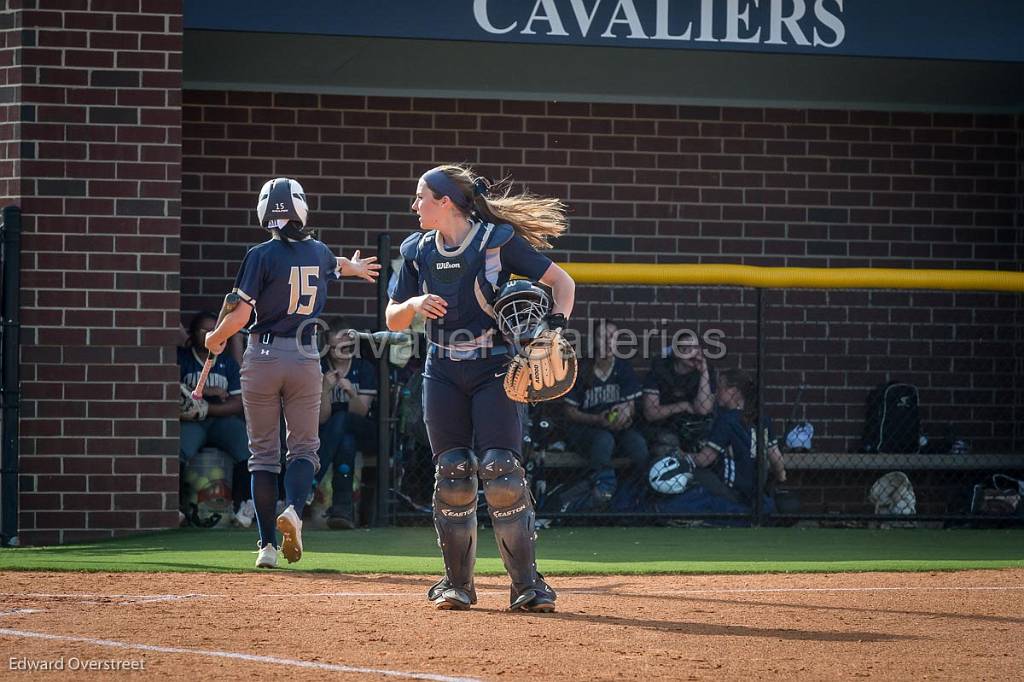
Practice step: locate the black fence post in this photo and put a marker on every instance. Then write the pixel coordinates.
(11, 380)
(382, 512)
(760, 434)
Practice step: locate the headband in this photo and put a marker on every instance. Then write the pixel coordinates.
(438, 180)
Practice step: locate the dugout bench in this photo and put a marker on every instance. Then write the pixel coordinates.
(830, 483)
(841, 461)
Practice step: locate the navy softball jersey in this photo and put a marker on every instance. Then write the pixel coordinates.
(466, 276)
(224, 374)
(464, 403)
(286, 283)
(363, 377)
(619, 385)
(736, 445)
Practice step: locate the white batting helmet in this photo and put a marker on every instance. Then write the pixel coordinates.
(282, 199)
(669, 476)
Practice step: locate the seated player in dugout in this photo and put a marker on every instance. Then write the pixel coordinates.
(218, 420)
(215, 419)
(678, 398)
(726, 465)
(349, 389)
(601, 409)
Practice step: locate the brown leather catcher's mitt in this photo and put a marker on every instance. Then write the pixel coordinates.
(543, 370)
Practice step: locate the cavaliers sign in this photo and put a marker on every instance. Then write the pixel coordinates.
(985, 30)
(768, 22)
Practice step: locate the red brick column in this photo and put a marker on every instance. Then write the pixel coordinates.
(100, 177)
(10, 94)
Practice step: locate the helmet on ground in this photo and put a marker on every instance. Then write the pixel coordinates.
(520, 308)
(282, 199)
(669, 476)
(893, 493)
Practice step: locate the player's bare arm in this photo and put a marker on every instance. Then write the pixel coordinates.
(399, 315)
(232, 405)
(581, 417)
(563, 289)
(655, 411)
(704, 402)
(365, 268)
(228, 327)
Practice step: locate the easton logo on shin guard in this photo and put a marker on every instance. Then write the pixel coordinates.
(449, 512)
(508, 512)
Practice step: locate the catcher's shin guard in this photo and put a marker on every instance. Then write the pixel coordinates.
(455, 488)
(511, 510)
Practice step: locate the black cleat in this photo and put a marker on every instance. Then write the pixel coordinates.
(445, 597)
(533, 601)
(453, 599)
(537, 599)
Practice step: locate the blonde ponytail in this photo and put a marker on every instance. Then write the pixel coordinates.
(536, 219)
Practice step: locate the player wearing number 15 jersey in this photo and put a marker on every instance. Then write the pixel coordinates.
(284, 280)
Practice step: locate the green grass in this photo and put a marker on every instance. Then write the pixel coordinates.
(562, 551)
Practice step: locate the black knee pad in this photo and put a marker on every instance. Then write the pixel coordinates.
(504, 482)
(511, 510)
(455, 480)
(455, 485)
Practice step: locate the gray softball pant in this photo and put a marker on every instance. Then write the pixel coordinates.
(280, 375)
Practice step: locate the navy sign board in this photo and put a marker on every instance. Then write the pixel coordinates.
(984, 30)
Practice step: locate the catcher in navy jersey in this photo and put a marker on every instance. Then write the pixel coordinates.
(284, 280)
(474, 238)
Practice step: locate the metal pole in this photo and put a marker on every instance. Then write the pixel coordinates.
(381, 515)
(11, 379)
(758, 430)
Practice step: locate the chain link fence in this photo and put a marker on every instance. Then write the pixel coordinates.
(877, 407)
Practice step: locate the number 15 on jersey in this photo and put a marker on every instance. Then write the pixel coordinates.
(302, 282)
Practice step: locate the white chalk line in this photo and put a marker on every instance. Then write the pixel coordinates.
(297, 663)
(764, 590)
(150, 598)
(126, 599)
(252, 658)
(220, 654)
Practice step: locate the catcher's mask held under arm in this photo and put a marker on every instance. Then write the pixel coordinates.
(520, 309)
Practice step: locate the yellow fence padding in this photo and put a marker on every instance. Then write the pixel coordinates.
(795, 278)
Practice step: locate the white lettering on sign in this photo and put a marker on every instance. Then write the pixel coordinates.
(484, 21)
(767, 22)
(629, 18)
(734, 17)
(661, 31)
(777, 20)
(834, 23)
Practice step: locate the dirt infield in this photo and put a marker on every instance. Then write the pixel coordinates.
(803, 626)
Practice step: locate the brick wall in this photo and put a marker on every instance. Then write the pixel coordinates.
(101, 180)
(10, 80)
(662, 183)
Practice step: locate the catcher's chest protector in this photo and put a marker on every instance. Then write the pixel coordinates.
(466, 277)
